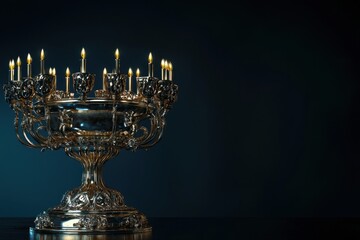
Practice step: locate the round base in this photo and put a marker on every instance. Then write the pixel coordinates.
(124, 220)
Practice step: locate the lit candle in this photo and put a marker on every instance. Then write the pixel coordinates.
(104, 79)
(29, 60)
(162, 68)
(18, 64)
(11, 67)
(83, 61)
(54, 74)
(117, 61)
(42, 64)
(151, 74)
(67, 78)
(130, 73)
(170, 71)
(137, 80)
(166, 67)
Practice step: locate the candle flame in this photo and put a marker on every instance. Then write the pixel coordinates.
(104, 72)
(10, 65)
(29, 59)
(170, 66)
(50, 71)
(83, 53)
(150, 58)
(18, 62)
(117, 54)
(166, 65)
(54, 72)
(130, 73)
(13, 64)
(162, 63)
(42, 54)
(138, 72)
(67, 72)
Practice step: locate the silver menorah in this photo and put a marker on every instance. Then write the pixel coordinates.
(91, 130)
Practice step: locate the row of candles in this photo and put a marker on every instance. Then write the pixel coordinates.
(166, 69)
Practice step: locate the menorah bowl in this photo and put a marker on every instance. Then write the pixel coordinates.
(94, 116)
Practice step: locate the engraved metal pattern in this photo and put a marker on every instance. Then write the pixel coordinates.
(116, 83)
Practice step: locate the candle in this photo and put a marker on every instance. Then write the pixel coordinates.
(83, 61)
(166, 67)
(137, 80)
(104, 79)
(42, 64)
(162, 68)
(18, 64)
(67, 78)
(130, 73)
(54, 74)
(29, 60)
(150, 70)
(11, 67)
(117, 61)
(170, 71)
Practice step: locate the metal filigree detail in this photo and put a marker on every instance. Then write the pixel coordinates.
(148, 86)
(27, 88)
(92, 222)
(83, 83)
(44, 83)
(116, 83)
(43, 221)
(133, 221)
(91, 198)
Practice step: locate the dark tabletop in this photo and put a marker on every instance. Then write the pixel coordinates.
(209, 228)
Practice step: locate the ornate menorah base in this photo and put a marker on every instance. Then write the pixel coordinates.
(92, 209)
(125, 220)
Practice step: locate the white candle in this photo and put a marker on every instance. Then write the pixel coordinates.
(170, 71)
(29, 60)
(67, 78)
(162, 68)
(104, 79)
(130, 73)
(55, 80)
(42, 62)
(117, 61)
(166, 67)
(18, 64)
(83, 61)
(137, 80)
(150, 65)
(12, 66)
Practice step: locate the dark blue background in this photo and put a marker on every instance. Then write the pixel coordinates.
(266, 123)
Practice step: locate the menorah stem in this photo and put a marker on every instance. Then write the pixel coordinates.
(92, 175)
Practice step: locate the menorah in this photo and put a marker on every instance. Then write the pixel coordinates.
(91, 130)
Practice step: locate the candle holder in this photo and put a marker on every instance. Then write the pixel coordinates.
(91, 130)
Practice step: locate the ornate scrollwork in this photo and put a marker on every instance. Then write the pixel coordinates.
(83, 82)
(44, 84)
(92, 222)
(116, 83)
(149, 87)
(43, 221)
